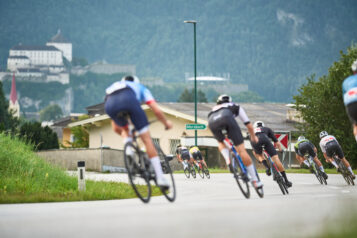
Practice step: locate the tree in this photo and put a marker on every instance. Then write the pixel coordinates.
(321, 106)
(80, 134)
(189, 96)
(42, 138)
(51, 112)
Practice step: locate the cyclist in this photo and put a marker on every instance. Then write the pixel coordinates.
(329, 145)
(303, 146)
(265, 134)
(183, 155)
(197, 155)
(124, 98)
(222, 116)
(349, 90)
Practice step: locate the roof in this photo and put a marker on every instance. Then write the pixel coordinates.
(274, 115)
(63, 122)
(18, 57)
(58, 38)
(35, 48)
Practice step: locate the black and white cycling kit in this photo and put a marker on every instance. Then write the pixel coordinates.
(263, 134)
(222, 116)
(305, 147)
(183, 152)
(330, 145)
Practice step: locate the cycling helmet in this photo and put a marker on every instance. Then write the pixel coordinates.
(354, 66)
(224, 98)
(301, 138)
(323, 134)
(258, 124)
(131, 78)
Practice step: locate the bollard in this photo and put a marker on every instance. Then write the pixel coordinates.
(81, 178)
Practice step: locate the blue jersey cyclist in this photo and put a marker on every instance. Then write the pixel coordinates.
(124, 98)
(349, 90)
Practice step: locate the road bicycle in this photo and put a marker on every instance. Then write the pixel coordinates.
(140, 171)
(276, 173)
(343, 170)
(189, 170)
(313, 169)
(203, 170)
(239, 170)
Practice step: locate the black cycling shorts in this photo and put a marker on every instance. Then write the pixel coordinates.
(197, 155)
(224, 119)
(185, 155)
(352, 112)
(264, 141)
(306, 148)
(334, 148)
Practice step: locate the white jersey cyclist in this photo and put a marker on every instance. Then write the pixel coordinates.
(325, 140)
(234, 108)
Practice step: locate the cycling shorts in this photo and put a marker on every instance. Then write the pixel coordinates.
(185, 155)
(306, 148)
(352, 112)
(124, 100)
(224, 119)
(197, 155)
(263, 140)
(334, 148)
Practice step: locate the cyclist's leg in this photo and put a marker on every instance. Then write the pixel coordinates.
(201, 158)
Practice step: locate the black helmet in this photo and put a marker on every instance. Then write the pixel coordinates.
(224, 98)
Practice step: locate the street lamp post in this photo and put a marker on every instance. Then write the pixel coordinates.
(195, 68)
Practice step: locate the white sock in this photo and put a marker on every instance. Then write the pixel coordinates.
(225, 153)
(128, 139)
(350, 169)
(334, 164)
(251, 172)
(155, 162)
(322, 168)
(307, 163)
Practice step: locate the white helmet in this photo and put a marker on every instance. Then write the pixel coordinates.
(223, 98)
(323, 134)
(301, 138)
(354, 66)
(258, 124)
(131, 78)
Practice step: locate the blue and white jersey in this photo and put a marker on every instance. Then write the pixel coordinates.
(142, 93)
(349, 89)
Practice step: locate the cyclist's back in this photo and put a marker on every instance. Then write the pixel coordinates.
(330, 145)
(265, 136)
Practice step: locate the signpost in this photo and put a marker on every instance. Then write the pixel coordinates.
(195, 126)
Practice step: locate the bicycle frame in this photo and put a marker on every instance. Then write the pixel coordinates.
(233, 149)
(271, 162)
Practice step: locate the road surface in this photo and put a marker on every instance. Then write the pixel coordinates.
(204, 208)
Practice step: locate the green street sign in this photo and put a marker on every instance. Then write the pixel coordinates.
(195, 126)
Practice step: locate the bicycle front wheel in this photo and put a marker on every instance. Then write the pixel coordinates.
(137, 172)
(241, 179)
(193, 171)
(187, 172)
(206, 171)
(200, 171)
(170, 194)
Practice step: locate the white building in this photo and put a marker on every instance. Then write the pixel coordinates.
(62, 44)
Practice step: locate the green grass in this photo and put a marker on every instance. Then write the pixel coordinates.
(25, 177)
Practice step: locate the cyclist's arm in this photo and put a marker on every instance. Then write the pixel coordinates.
(278, 144)
(160, 116)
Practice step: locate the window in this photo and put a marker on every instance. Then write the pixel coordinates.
(173, 145)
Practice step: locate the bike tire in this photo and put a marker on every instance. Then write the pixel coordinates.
(206, 171)
(200, 172)
(260, 191)
(351, 180)
(242, 184)
(187, 172)
(322, 178)
(280, 181)
(193, 171)
(171, 194)
(139, 176)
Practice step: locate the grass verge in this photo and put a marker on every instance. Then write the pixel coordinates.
(25, 177)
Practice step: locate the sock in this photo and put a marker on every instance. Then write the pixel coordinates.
(155, 162)
(334, 164)
(251, 172)
(225, 153)
(284, 175)
(265, 164)
(128, 139)
(350, 169)
(322, 168)
(307, 163)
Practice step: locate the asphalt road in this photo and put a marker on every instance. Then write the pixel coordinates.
(204, 208)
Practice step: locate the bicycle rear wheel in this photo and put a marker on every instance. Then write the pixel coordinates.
(193, 171)
(241, 178)
(138, 175)
(206, 171)
(200, 171)
(170, 194)
(187, 172)
(280, 181)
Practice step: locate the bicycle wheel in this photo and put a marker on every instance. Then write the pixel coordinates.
(351, 180)
(187, 172)
(170, 194)
(322, 177)
(260, 191)
(241, 179)
(206, 171)
(200, 171)
(280, 181)
(138, 175)
(316, 173)
(193, 171)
